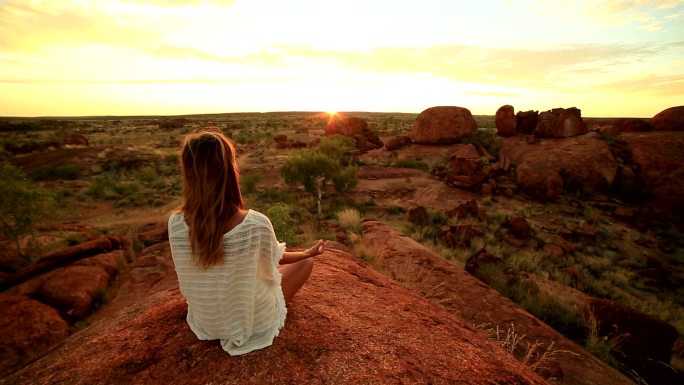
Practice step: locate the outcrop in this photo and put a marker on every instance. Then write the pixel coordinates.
(658, 160)
(348, 325)
(671, 119)
(443, 125)
(526, 121)
(355, 128)
(448, 285)
(505, 121)
(545, 169)
(560, 123)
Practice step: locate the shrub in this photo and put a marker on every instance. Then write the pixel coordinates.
(102, 187)
(23, 206)
(283, 224)
(59, 172)
(487, 138)
(248, 182)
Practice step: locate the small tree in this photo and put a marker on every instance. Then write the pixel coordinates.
(283, 224)
(23, 205)
(314, 168)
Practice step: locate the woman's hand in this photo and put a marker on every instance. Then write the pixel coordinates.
(317, 249)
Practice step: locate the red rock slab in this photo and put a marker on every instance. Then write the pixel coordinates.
(27, 329)
(72, 290)
(348, 325)
(475, 302)
(110, 262)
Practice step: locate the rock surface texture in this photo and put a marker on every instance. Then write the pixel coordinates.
(442, 125)
(348, 325)
(449, 286)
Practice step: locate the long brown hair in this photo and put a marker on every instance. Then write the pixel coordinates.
(211, 193)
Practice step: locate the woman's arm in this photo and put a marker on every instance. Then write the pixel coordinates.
(296, 256)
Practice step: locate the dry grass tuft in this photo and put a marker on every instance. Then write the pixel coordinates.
(350, 220)
(535, 355)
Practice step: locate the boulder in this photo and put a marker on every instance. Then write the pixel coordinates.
(645, 341)
(464, 209)
(418, 215)
(639, 334)
(398, 142)
(519, 227)
(505, 121)
(27, 329)
(671, 119)
(62, 258)
(443, 125)
(481, 257)
(526, 121)
(355, 128)
(465, 167)
(155, 235)
(74, 290)
(110, 262)
(465, 160)
(460, 235)
(560, 123)
(657, 157)
(347, 325)
(545, 169)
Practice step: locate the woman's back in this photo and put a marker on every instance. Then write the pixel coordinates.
(239, 300)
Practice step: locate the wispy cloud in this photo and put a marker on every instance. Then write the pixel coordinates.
(646, 14)
(666, 85)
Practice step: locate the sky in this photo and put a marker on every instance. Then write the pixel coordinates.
(610, 58)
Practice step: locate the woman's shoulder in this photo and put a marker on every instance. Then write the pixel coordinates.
(258, 218)
(176, 221)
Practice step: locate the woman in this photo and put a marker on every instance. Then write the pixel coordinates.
(226, 257)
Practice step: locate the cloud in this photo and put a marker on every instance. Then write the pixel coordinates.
(662, 85)
(646, 14)
(33, 25)
(515, 67)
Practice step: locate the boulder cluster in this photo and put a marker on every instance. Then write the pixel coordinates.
(546, 154)
(43, 302)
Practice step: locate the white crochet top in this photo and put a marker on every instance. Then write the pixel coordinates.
(239, 301)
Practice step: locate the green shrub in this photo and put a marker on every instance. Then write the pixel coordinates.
(102, 187)
(487, 138)
(129, 189)
(283, 224)
(59, 172)
(23, 205)
(248, 182)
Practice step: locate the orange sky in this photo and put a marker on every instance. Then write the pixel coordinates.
(77, 57)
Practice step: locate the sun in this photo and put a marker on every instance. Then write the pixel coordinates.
(332, 114)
